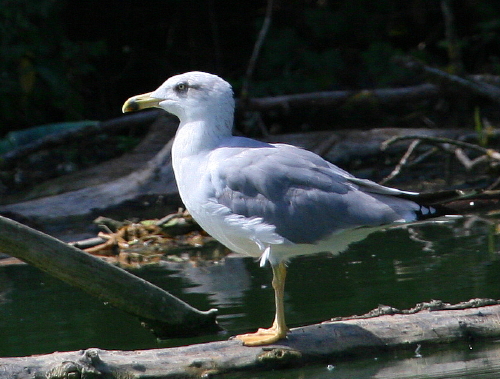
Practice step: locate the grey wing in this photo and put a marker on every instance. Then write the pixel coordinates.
(303, 196)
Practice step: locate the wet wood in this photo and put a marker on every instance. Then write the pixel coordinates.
(320, 343)
(166, 315)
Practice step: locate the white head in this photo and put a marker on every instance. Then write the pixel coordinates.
(193, 96)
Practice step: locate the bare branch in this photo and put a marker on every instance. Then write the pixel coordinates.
(403, 161)
(448, 145)
(256, 49)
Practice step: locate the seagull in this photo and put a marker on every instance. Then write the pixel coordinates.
(270, 201)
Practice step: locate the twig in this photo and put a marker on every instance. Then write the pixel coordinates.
(494, 185)
(443, 144)
(423, 157)
(440, 140)
(256, 49)
(402, 162)
(466, 161)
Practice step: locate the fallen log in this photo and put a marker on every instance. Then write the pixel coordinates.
(166, 315)
(325, 342)
(380, 96)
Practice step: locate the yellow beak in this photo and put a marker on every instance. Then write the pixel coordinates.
(144, 101)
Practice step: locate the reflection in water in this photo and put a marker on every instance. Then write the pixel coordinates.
(458, 361)
(452, 262)
(224, 283)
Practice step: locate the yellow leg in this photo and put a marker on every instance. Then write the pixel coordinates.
(279, 329)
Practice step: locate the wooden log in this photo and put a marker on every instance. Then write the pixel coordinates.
(166, 315)
(380, 96)
(310, 344)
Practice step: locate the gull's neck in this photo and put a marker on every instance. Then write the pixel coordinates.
(200, 135)
(193, 142)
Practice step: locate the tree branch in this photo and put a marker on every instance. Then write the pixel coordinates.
(256, 49)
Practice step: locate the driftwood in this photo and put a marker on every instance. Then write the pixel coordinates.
(166, 315)
(320, 343)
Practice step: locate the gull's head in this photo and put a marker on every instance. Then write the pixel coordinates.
(193, 96)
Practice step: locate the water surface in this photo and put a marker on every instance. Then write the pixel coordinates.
(453, 262)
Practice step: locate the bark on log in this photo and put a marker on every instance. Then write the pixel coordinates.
(166, 315)
(310, 344)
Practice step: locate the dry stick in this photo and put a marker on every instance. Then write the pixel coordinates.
(164, 313)
(412, 163)
(494, 185)
(402, 162)
(466, 161)
(440, 141)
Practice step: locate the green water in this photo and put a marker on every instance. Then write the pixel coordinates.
(452, 262)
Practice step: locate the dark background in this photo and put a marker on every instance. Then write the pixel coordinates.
(63, 60)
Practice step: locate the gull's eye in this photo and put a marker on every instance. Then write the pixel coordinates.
(181, 87)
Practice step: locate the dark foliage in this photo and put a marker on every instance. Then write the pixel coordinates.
(65, 60)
